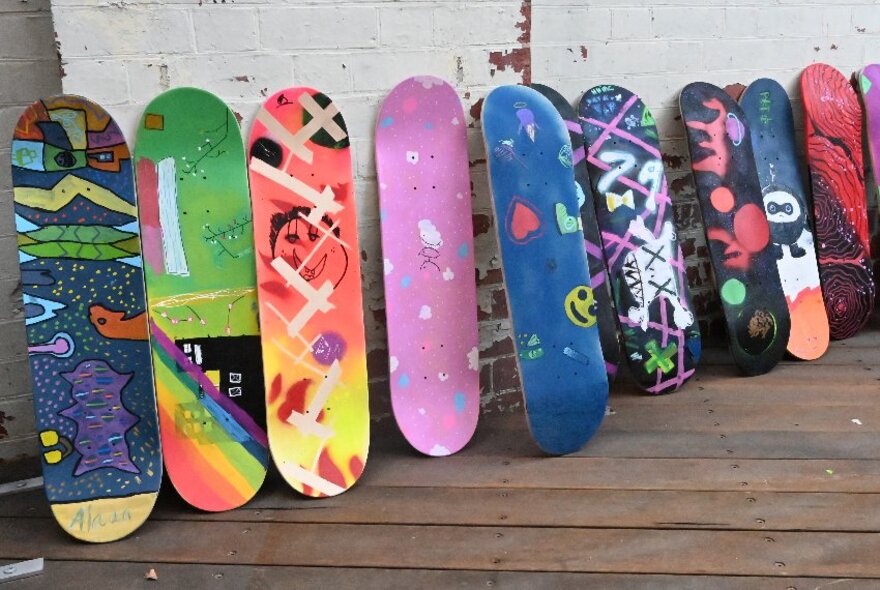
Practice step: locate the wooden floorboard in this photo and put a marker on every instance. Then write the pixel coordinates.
(130, 575)
(734, 482)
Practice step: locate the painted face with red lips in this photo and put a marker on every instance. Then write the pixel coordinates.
(296, 240)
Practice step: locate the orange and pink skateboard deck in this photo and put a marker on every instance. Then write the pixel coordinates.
(309, 288)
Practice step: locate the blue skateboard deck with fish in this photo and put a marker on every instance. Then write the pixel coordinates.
(551, 301)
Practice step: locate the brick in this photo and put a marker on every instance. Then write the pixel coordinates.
(9, 258)
(465, 24)
(227, 30)
(687, 23)
(325, 27)
(147, 78)
(27, 36)
(232, 76)
(505, 374)
(405, 26)
(380, 71)
(32, 80)
(13, 344)
(631, 23)
(331, 69)
(25, 6)
(136, 30)
(570, 24)
(866, 20)
(102, 81)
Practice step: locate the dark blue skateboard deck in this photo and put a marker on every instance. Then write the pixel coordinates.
(736, 228)
(549, 292)
(648, 275)
(768, 110)
(592, 240)
(83, 290)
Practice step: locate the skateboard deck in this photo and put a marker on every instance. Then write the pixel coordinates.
(592, 241)
(768, 110)
(551, 302)
(83, 293)
(201, 297)
(833, 131)
(309, 284)
(736, 228)
(428, 250)
(648, 274)
(869, 85)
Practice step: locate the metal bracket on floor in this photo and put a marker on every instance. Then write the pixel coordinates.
(23, 485)
(22, 569)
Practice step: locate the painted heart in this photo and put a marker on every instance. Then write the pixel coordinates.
(523, 221)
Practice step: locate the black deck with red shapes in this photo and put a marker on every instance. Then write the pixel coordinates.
(736, 227)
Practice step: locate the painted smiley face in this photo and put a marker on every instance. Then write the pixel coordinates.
(313, 250)
(580, 306)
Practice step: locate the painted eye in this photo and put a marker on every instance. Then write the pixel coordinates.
(102, 321)
(788, 209)
(292, 238)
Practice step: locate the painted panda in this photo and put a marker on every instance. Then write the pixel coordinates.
(787, 219)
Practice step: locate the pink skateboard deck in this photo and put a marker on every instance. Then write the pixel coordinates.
(309, 287)
(427, 244)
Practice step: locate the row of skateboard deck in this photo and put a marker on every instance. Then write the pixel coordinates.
(251, 328)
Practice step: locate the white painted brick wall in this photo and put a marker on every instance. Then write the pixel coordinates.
(28, 68)
(123, 53)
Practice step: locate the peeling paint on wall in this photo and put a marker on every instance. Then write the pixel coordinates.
(518, 59)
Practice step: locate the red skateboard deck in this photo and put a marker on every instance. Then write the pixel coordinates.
(833, 130)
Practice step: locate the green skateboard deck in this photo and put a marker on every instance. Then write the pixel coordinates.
(201, 293)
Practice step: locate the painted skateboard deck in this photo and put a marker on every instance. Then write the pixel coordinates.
(648, 275)
(309, 283)
(833, 130)
(551, 302)
(768, 110)
(201, 297)
(428, 250)
(736, 228)
(83, 292)
(605, 315)
(869, 85)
